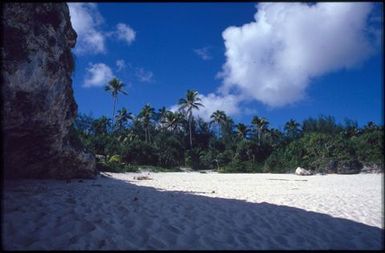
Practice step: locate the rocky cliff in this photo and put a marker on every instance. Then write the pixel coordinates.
(38, 103)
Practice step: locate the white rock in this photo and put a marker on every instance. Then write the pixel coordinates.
(302, 172)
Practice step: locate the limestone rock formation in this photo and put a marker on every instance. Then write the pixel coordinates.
(38, 103)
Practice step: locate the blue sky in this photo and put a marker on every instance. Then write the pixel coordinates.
(280, 63)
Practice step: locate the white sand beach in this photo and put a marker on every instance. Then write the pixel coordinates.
(191, 210)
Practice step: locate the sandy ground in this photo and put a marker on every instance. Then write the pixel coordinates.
(190, 210)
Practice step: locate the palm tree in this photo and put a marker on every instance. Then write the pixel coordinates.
(292, 128)
(172, 120)
(145, 115)
(161, 116)
(122, 117)
(187, 104)
(261, 125)
(218, 117)
(370, 126)
(241, 130)
(115, 86)
(101, 125)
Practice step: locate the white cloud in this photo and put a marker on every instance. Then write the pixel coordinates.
(203, 53)
(212, 102)
(86, 19)
(125, 32)
(143, 75)
(274, 58)
(97, 75)
(120, 64)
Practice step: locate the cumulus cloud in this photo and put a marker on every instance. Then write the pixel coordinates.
(97, 75)
(125, 32)
(86, 20)
(120, 64)
(203, 53)
(274, 58)
(143, 75)
(213, 102)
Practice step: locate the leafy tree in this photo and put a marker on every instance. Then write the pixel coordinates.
(324, 124)
(370, 146)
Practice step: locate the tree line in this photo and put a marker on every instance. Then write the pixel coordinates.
(167, 140)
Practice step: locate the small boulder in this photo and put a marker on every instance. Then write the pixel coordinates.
(302, 172)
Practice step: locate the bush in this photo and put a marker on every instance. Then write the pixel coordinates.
(238, 166)
(318, 152)
(116, 167)
(194, 158)
(139, 152)
(351, 166)
(370, 147)
(115, 159)
(170, 151)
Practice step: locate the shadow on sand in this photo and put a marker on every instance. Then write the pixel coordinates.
(199, 222)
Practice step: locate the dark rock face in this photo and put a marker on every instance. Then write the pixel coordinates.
(38, 102)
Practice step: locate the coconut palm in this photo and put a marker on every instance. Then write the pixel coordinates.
(122, 117)
(188, 104)
(275, 137)
(370, 126)
(115, 86)
(101, 125)
(161, 116)
(172, 120)
(145, 116)
(241, 130)
(218, 117)
(292, 128)
(261, 125)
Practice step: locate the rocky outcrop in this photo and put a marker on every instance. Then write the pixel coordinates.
(38, 102)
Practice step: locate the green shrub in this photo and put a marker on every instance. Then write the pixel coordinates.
(115, 159)
(370, 147)
(140, 152)
(114, 166)
(238, 166)
(194, 158)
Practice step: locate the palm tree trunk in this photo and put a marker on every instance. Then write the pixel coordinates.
(113, 112)
(190, 131)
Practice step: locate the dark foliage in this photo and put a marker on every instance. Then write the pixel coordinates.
(320, 145)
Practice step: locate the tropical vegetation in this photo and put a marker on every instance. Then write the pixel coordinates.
(169, 140)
